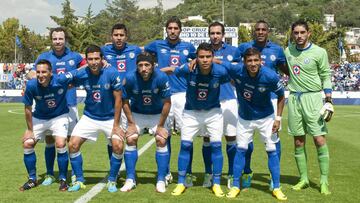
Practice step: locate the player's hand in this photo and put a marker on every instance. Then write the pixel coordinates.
(118, 131)
(276, 126)
(327, 110)
(162, 132)
(105, 63)
(29, 134)
(217, 61)
(192, 65)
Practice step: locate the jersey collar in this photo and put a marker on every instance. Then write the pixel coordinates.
(66, 51)
(304, 49)
(124, 47)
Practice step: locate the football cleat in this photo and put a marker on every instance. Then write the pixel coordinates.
(168, 179)
(49, 179)
(111, 186)
(129, 185)
(279, 194)
(246, 180)
(324, 189)
(207, 180)
(217, 190)
(63, 185)
(76, 186)
(188, 180)
(234, 191)
(301, 185)
(28, 185)
(230, 181)
(180, 188)
(73, 179)
(160, 187)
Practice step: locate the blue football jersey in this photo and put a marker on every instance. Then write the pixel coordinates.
(202, 91)
(50, 101)
(99, 102)
(254, 94)
(227, 53)
(124, 60)
(172, 55)
(147, 96)
(61, 64)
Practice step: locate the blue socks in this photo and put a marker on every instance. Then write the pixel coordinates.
(239, 165)
(162, 158)
(231, 151)
(247, 169)
(206, 152)
(189, 168)
(115, 163)
(63, 161)
(30, 162)
(76, 161)
(217, 160)
(184, 159)
(278, 149)
(131, 157)
(50, 158)
(274, 167)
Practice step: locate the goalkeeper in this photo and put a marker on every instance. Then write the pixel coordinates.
(309, 75)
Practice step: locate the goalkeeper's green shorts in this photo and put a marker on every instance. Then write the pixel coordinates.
(304, 114)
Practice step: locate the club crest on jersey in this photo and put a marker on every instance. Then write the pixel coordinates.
(60, 71)
(132, 55)
(262, 89)
(174, 60)
(272, 57)
(71, 62)
(247, 95)
(51, 103)
(296, 70)
(96, 96)
(147, 100)
(202, 94)
(186, 52)
(229, 57)
(306, 60)
(60, 91)
(121, 65)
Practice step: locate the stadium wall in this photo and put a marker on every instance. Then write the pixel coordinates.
(339, 98)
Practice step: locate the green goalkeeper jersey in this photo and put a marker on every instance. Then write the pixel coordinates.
(309, 69)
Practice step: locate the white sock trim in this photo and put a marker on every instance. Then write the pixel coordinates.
(162, 149)
(74, 155)
(50, 145)
(29, 151)
(117, 156)
(61, 150)
(130, 148)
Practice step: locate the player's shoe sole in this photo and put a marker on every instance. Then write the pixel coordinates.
(217, 190)
(234, 192)
(179, 189)
(300, 185)
(278, 194)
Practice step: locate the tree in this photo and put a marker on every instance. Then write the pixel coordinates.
(87, 30)
(245, 34)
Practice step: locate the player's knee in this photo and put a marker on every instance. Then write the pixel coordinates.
(29, 143)
(118, 148)
(132, 139)
(74, 146)
(60, 143)
(160, 141)
(319, 140)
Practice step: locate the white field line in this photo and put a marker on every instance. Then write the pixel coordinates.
(99, 186)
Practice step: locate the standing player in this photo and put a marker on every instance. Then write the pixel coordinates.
(51, 113)
(149, 92)
(254, 84)
(120, 54)
(62, 60)
(172, 52)
(202, 112)
(229, 106)
(101, 114)
(309, 75)
(273, 57)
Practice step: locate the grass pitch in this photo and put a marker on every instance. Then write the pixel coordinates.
(343, 141)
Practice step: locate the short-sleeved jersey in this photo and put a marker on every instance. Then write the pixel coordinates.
(146, 96)
(50, 101)
(100, 101)
(173, 55)
(227, 53)
(124, 60)
(309, 69)
(202, 91)
(254, 94)
(61, 64)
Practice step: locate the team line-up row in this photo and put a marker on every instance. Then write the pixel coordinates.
(129, 89)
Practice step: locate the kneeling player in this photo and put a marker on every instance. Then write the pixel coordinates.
(149, 93)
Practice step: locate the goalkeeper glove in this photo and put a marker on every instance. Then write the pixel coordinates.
(327, 110)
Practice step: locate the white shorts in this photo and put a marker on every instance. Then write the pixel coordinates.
(195, 122)
(149, 121)
(229, 110)
(74, 118)
(246, 129)
(89, 128)
(177, 107)
(57, 126)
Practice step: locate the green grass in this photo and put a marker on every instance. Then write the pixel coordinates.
(343, 141)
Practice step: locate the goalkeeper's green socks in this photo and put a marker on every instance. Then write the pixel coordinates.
(323, 157)
(300, 157)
